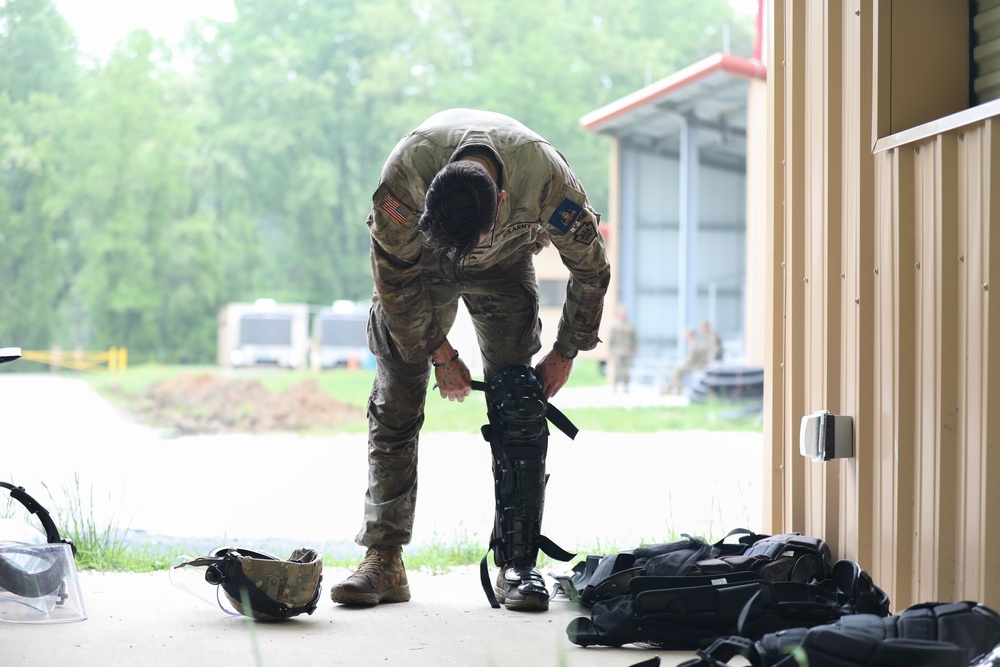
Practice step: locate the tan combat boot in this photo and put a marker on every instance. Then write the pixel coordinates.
(380, 578)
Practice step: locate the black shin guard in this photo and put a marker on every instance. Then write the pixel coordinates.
(518, 434)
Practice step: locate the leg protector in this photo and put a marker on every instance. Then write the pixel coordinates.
(518, 435)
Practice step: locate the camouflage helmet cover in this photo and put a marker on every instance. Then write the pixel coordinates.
(262, 586)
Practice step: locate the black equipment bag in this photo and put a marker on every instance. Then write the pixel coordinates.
(924, 635)
(787, 557)
(661, 595)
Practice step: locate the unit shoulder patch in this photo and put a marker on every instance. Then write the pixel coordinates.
(585, 234)
(395, 209)
(565, 215)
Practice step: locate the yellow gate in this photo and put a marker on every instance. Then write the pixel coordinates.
(112, 360)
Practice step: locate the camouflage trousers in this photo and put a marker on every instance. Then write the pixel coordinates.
(622, 366)
(503, 303)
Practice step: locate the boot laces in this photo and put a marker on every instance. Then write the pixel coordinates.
(374, 562)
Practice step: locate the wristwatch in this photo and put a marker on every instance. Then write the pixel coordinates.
(565, 352)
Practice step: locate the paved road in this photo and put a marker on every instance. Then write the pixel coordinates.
(62, 440)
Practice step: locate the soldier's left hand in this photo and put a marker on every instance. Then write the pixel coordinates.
(554, 370)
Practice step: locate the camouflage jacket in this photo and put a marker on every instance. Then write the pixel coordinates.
(622, 339)
(545, 201)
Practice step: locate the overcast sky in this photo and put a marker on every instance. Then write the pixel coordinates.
(101, 24)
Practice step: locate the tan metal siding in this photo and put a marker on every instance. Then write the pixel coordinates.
(928, 81)
(987, 401)
(858, 277)
(785, 471)
(978, 567)
(943, 435)
(774, 279)
(879, 275)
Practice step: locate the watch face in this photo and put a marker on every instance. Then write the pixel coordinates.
(571, 354)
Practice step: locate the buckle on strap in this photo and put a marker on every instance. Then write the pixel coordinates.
(555, 416)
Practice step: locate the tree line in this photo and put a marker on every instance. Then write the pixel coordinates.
(141, 193)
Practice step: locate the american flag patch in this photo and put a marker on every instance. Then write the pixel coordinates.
(394, 209)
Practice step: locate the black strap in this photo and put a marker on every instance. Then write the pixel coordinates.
(652, 662)
(552, 413)
(34, 507)
(547, 546)
(484, 576)
(561, 421)
(722, 650)
(38, 583)
(242, 551)
(553, 550)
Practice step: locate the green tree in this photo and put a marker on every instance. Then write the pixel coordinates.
(141, 195)
(37, 51)
(550, 62)
(313, 96)
(37, 83)
(149, 278)
(285, 78)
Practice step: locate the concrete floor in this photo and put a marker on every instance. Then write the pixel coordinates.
(141, 619)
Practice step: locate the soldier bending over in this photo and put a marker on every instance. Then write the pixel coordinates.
(463, 204)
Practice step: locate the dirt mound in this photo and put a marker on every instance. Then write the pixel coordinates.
(210, 404)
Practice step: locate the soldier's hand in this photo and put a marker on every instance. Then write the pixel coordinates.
(454, 380)
(554, 370)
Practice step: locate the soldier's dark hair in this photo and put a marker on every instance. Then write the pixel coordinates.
(460, 206)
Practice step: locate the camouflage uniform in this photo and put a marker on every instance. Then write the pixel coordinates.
(416, 299)
(622, 341)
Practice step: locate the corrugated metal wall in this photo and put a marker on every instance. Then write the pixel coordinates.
(879, 308)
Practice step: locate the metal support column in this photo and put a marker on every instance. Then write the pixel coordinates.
(687, 247)
(628, 230)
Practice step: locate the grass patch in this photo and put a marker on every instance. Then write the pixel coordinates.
(100, 543)
(104, 546)
(442, 554)
(710, 416)
(352, 388)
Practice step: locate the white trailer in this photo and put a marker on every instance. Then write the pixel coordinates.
(264, 333)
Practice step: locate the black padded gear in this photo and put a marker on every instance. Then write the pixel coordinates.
(518, 434)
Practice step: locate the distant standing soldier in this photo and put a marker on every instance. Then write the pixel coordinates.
(463, 204)
(624, 346)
